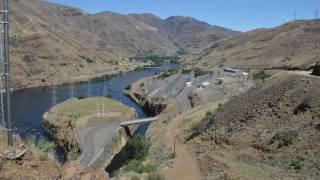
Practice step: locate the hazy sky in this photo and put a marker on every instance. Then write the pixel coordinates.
(240, 15)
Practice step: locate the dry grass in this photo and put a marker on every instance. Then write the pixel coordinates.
(84, 111)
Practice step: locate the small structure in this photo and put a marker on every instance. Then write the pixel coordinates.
(245, 74)
(189, 84)
(231, 70)
(204, 84)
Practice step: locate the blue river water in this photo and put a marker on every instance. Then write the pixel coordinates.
(29, 105)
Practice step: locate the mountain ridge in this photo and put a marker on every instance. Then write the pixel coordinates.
(56, 43)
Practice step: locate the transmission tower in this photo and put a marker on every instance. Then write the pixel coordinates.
(316, 14)
(89, 89)
(295, 15)
(100, 110)
(2, 87)
(54, 95)
(5, 74)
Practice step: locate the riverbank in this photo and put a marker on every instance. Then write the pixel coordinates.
(75, 126)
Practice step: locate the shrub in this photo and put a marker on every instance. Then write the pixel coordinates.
(45, 145)
(283, 139)
(261, 75)
(297, 164)
(139, 147)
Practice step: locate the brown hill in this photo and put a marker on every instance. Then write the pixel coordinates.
(52, 42)
(292, 45)
(186, 32)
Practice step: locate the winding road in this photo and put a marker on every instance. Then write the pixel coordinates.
(94, 140)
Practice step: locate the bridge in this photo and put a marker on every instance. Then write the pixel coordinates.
(139, 121)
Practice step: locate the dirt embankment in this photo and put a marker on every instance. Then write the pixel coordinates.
(136, 92)
(65, 136)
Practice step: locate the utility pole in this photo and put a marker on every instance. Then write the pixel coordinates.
(295, 15)
(6, 64)
(316, 14)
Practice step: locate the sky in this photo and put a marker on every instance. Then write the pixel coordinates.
(241, 15)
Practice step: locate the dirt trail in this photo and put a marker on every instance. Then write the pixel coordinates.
(184, 166)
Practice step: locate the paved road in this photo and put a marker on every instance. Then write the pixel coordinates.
(94, 140)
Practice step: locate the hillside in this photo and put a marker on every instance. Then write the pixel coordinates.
(51, 42)
(272, 131)
(291, 45)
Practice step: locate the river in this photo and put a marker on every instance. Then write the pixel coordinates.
(29, 105)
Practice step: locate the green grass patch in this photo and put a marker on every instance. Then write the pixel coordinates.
(137, 167)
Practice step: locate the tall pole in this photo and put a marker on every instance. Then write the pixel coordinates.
(7, 69)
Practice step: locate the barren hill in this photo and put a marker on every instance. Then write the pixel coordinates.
(51, 42)
(291, 45)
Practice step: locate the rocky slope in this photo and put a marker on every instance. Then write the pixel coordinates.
(51, 42)
(291, 45)
(275, 126)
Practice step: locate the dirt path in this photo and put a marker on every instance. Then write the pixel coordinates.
(184, 166)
